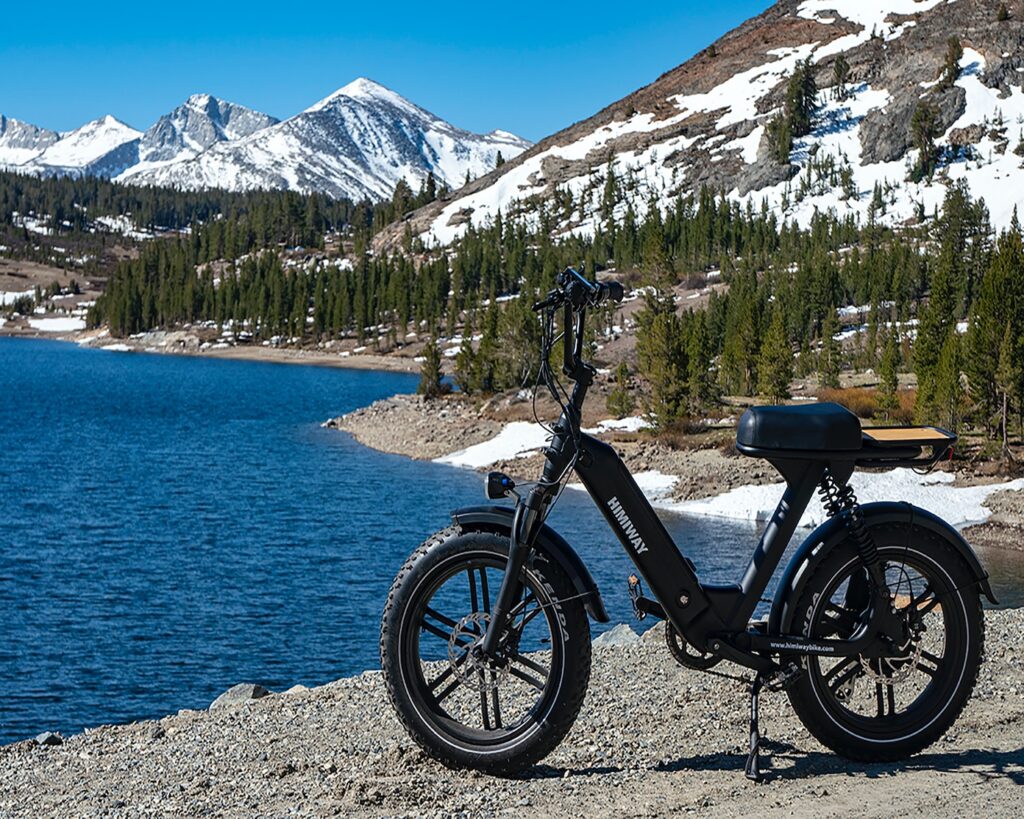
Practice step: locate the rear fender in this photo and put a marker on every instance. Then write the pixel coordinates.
(832, 532)
(498, 519)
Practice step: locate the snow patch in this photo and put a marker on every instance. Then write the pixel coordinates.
(959, 505)
(57, 325)
(516, 439)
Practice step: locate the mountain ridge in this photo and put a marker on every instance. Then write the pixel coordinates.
(706, 123)
(357, 142)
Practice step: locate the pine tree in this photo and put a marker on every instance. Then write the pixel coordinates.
(888, 383)
(620, 400)
(465, 361)
(830, 354)
(948, 386)
(700, 378)
(431, 384)
(924, 130)
(840, 76)
(1003, 14)
(775, 369)
(951, 64)
(1007, 380)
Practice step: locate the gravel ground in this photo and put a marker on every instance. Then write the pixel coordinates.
(653, 740)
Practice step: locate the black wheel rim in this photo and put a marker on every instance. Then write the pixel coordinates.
(891, 699)
(481, 705)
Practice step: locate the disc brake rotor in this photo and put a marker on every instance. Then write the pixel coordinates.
(473, 671)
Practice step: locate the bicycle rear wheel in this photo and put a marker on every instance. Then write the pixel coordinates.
(890, 708)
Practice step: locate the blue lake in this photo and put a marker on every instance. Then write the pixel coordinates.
(172, 526)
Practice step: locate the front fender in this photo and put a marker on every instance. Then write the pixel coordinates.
(833, 531)
(498, 519)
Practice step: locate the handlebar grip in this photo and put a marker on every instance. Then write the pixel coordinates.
(610, 291)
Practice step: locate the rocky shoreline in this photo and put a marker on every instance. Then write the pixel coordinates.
(180, 342)
(421, 429)
(653, 739)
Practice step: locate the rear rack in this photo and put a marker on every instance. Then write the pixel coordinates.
(905, 446)
(880, 448)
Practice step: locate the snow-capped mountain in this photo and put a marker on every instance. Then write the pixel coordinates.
(21, 142)
(707, 122)
(201, 122)
(357, 142)
(103, 147)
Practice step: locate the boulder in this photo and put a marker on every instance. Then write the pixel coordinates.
(49, 738)
(239, 695)
(621, 635)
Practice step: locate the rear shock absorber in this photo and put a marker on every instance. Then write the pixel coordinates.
(842, 500)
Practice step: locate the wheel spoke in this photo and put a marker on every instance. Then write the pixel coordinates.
(521, 605)
(454, 684)
(474, 602)
(925, 602)
(430, 628)
(930, 670)
(496, 707)
(885, 699)
(483, 589)
(483, 701)
(444, 620)
(842, 672)
(515, 672)
(534, 666)
(440, 678)
(843, 620)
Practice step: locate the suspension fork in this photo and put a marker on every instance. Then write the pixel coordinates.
(560, 455)
(524, 522)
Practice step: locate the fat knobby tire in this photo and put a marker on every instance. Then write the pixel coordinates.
(964, 601)
(556, 719)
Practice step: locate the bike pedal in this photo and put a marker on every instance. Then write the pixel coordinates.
(636, 591)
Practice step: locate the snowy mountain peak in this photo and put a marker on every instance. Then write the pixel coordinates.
(200, 100)
(365, 91)
(357, 142)
(21, 142)
(196, 125)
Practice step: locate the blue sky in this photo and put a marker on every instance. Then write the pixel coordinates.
(527, 67)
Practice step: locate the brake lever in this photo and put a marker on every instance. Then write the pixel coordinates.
(554, 299)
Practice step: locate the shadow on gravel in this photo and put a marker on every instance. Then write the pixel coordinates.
(783, 761)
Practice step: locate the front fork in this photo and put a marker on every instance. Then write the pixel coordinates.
(528, 511)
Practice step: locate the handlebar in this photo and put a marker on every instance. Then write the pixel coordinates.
(575, 289)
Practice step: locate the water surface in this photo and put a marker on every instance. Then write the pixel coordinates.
(172, 526)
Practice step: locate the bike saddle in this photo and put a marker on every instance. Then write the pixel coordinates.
(827, 427)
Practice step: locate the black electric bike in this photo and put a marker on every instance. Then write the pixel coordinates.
(875, 631)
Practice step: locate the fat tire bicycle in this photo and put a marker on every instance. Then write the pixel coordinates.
(875, 631)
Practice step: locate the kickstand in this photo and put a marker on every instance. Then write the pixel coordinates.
(753, 769)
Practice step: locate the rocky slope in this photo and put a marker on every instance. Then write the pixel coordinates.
(21, 142)
(200, 123)
(653, 739)
(706, 121)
